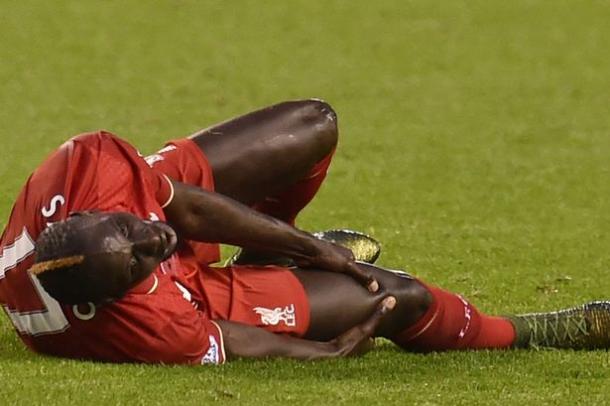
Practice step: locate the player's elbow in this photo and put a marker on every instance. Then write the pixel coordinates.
(182, 212)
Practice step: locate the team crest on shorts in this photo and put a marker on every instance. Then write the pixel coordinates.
(273, 317)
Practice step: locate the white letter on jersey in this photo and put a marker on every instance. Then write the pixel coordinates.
(56, 201)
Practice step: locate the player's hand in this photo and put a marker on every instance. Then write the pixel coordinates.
(335, 258)
(358, 339)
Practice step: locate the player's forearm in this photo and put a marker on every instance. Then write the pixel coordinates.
(210, 217)
(251, 342)
(246, 341)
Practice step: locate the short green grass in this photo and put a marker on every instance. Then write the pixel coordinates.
(475, 145)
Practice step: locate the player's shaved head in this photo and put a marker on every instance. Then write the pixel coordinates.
(98, 257)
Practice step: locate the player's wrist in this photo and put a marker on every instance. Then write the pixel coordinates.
(302, 247)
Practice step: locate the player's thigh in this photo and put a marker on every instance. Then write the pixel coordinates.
(337, 302)
(263, 152)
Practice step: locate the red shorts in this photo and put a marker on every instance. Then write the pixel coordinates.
(270, 297)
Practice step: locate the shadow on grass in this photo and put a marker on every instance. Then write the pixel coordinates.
(387, 360)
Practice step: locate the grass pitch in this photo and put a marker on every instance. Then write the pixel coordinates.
(475, 145)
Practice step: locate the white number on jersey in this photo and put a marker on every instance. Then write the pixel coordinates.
(50, 318)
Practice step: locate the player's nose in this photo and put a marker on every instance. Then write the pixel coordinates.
(149, 245)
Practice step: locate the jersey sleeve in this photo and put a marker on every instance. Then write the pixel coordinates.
(164, 189)
(198, 342)
(161, 327)
(119, 178)
(188, 338)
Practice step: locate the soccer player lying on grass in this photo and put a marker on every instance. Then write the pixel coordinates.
(121, 270)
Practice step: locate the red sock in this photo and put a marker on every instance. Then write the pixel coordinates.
(453, 323)
(287, 204)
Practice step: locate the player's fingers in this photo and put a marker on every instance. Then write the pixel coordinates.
(357, 339)
(384, 307)
(365, 346)
(363, 276)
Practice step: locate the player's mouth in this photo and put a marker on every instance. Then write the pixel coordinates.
(169, 239)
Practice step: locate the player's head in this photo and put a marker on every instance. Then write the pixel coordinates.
(98, 257)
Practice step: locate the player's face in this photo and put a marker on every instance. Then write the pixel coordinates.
(124, 248)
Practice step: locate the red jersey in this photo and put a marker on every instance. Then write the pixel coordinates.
(160, 320)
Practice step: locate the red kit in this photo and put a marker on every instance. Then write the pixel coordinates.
(168, 317)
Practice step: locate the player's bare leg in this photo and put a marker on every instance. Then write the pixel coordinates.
(337, 302)
(273, 159)
(427, 318)
(264, 152)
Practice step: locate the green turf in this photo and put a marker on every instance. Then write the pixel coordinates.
(475, 141)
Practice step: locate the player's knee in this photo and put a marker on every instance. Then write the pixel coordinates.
(413, 295)
(322, 118)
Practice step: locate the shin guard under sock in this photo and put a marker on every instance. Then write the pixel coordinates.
(453, 323)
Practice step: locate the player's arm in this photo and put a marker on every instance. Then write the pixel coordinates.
(200, 215)
(241, 340)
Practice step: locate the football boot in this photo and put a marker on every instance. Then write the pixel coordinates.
(365, 249)
(585, 327)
